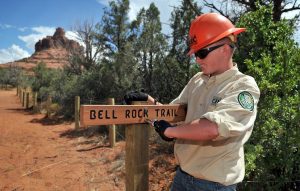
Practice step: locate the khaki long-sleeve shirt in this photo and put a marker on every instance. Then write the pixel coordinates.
(230, 100)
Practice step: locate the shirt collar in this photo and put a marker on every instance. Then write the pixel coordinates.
(221, 77)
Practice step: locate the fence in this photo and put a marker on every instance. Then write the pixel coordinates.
(136, 137)
(27, 97)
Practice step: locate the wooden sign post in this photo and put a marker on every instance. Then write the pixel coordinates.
(136, 133)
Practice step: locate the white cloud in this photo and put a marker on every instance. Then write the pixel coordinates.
(72, 35)
(44, 30)
(12, 53)
(22, 29)
(39, 33)
(103, 2)
(5, 26)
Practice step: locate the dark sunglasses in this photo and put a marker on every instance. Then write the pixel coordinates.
(205, 51)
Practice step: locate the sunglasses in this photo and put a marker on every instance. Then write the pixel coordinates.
(205, 51)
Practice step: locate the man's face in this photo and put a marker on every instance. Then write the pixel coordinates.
(210, 59)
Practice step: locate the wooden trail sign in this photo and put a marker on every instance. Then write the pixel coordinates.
(129, 114)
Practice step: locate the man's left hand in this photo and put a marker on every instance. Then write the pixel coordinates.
(135, 96)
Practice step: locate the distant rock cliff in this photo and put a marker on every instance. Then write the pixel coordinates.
(58, 40)
(55, 51)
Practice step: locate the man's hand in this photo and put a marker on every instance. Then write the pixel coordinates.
(135, 96)
(160, 127)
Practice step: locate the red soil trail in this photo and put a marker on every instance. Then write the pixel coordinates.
(38, 155)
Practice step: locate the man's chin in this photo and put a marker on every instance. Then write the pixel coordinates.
(205, 72)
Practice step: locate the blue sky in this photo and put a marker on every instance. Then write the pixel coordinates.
(24, 22)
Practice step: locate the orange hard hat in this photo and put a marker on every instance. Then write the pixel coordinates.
(209, 28)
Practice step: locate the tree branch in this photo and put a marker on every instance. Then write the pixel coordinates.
(193, 7)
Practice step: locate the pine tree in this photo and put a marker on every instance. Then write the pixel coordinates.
(181, 19)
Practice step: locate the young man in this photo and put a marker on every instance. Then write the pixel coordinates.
(222, 107)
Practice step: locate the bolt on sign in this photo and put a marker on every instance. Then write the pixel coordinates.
(130, 114)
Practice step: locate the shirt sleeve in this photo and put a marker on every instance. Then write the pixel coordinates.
(236, 112)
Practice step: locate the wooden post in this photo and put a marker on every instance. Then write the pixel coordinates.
(137, 157)
(20, 92)
(23, 98)
(77, 112)
(49, 103)
(112, 128)
(34, 100)
(27, 100)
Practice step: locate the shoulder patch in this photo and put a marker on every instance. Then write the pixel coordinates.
(246, 100)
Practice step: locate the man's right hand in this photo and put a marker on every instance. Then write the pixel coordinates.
(135, 96)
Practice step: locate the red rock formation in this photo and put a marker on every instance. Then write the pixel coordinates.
(55, 51)
(59, 40)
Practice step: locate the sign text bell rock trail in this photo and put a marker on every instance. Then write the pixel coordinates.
(129, 114)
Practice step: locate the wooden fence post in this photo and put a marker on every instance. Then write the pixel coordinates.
(137, 157)
(27, 100)
(77, 112)
(20, 94)
(112, 128)
(48, 104)
(23, 97)
(34, 100)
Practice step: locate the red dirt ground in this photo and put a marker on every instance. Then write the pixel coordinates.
(39, 154)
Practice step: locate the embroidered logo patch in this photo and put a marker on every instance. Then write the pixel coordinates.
(246, 100)
(215, 100)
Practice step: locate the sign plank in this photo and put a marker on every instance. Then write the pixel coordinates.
(130, 114)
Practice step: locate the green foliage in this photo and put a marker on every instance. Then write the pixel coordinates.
(261, 35)
(272, 154)
(149, 46)
(64, 89)
(12, 75)
(42, 80)
(181, 18)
